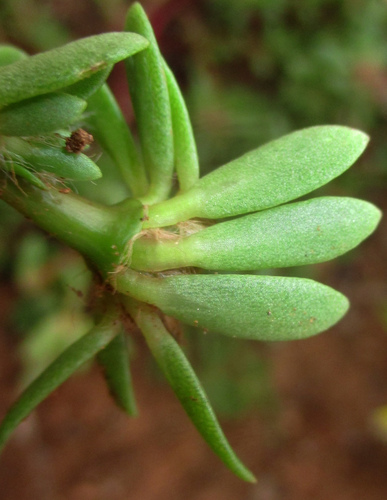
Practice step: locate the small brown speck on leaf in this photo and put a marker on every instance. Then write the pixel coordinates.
(78, 140)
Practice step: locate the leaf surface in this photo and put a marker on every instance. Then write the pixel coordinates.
(295, 234)
(269, 308)
(271, 175)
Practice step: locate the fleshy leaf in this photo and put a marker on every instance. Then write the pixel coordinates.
(186, 156)
(88, 86)
(17, 169)
(150, 99)
(114, 359)
(58, 68)
(186, 386)
(243, 306)
(275, 173)
(10, 54)
(117, 139)
(295, 234)
(57, 372)
(41, 114)
(53, 160)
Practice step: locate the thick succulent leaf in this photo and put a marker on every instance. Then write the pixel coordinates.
(66, 65)
(58, 371)
(275, 173)
(186, 156)
(88, 86)
(10, 54)
(243, 306)
(150, 99)
(53, 160)
(295, 234)
(41, 114)
(116, 139)
(17, 169)
(114, 359)
(186, 386)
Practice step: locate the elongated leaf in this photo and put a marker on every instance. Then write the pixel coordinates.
(275, 173)
(186, 386)
(10, 54)
(299, 233)
(243, 306)
(117, 139)
(15, 168)
(150, 99)
(41, 114)
(114, 359)
(53, 160)
(88, 86)
(186, 156)
(66, 65)
(60, 370)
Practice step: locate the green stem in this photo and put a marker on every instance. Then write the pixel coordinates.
(98, 232)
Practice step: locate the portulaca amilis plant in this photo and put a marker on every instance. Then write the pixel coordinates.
(189, 249)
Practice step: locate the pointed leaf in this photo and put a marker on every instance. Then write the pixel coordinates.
(117, 139)
(41, 114)
(53, 160)
(275, 173)
(60, 370)
(18, 169)
(299, 233)
(114, 359)
(186, 156)
(186, 386)
(243, 306)
(66, 65)
(150, 99)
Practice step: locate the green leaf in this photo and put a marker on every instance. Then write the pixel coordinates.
(186, 386)
(150, 99)
(243, 306)
(17, 169)
(66, 65)
(186, 156)
(299, 233)
(53, 160)
(114, 359)
(88, 86)
(41, 114)
(275, 173)
(117, 139)
(57, 372)
(10, 54)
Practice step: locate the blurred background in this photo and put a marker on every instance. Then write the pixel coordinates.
(308, 417)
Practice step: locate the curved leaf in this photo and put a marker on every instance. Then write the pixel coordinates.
(117, 139)
(243, 306)
(186, 156)
(275, 173)
(296, 234)
(41, 114)
(52, 160)
(114, 359)
(186, 386)
(150, 99)
(15, 168)
(66, 65)
(57, 372)
(88, 86)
